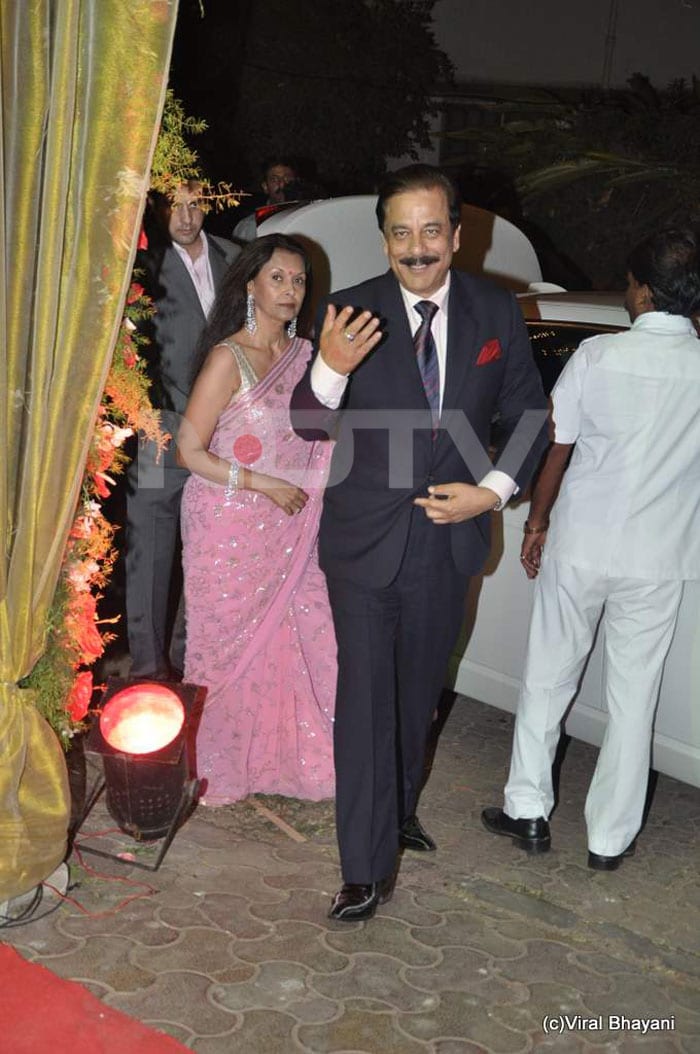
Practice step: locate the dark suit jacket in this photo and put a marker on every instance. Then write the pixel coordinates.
(367, 512)
(176, 326)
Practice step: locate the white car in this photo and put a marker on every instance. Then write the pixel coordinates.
(558, 322)
(346, 248)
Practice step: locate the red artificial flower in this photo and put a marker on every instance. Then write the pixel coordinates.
(128, 351)
(105, 451)
(80, 696)
(91, 644)
(80, 625)
(136, 291)
(143, 240)
(101, 488)
(82, 527)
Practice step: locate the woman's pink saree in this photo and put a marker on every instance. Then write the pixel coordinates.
(259, 630)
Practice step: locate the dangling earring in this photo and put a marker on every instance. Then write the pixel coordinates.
(250, 322)
(292, 328)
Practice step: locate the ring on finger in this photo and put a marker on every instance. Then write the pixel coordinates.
(348, 335)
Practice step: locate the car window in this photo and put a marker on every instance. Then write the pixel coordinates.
(553, 344)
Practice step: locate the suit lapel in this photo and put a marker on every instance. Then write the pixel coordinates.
(461, 351)
(217, 262)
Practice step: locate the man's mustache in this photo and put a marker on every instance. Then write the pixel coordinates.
(418, 261)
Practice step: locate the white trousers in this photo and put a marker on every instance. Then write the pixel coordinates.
(638, 621)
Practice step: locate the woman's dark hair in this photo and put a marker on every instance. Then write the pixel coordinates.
(669, 264)
(228, 311)
(418, 177)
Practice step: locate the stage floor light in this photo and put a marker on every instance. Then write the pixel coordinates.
(145, 733)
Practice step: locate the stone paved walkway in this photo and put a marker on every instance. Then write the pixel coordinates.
(482, 949)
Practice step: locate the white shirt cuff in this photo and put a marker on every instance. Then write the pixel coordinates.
(327, 384)
(502, 484)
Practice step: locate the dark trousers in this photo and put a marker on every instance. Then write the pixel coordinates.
(153, 570)
(394, 644)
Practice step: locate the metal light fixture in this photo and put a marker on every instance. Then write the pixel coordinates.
(145, 733)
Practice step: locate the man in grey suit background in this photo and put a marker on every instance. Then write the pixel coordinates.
(181, 270)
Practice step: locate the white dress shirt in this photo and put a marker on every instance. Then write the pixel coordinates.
(199, 271)
(329, 386)
(629, 504)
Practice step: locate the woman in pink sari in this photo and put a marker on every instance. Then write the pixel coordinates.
(259, 629)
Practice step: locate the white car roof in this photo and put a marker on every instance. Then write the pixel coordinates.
(588, 309)
(346, 245)
(346, 248)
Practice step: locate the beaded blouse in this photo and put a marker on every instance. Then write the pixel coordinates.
(249, 377)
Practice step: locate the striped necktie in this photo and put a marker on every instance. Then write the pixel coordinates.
(426, 356)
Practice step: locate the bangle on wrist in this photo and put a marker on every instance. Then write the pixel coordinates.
(528, 529)
(498, 504)
(232, 482)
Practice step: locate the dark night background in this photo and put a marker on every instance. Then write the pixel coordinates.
(339, 87)
(205, 73)
(336, 86)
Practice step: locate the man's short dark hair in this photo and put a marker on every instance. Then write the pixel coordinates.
(418, 177)
(275, 161)
(669, 264)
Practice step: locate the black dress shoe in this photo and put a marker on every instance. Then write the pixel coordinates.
(412, 835)
(610, 863)
(531, 835)
(355, 902)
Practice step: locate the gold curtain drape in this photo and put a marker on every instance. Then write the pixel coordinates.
(82, 86)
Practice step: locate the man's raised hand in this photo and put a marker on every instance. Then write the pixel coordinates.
(345, 341)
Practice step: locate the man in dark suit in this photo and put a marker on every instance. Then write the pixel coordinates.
(181, 271)
(420, 373)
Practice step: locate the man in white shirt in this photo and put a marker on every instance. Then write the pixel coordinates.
(410, 386)
(181, 271)
(623, 537)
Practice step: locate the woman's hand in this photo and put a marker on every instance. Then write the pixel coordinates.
(344, 343)
(286, 495)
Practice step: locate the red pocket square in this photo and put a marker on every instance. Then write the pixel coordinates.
(490, 352)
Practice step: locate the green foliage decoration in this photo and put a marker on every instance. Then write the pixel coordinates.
(175, 161)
